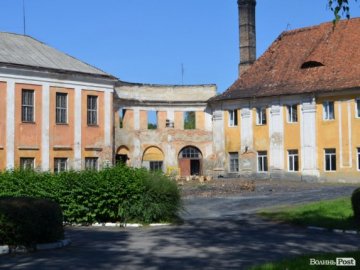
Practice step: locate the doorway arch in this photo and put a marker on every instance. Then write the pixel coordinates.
(153, 159)
(122, 155)
(190, 161)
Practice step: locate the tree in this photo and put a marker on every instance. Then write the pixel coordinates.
(340, 7)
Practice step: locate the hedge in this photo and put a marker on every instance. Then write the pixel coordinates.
(29, 221)
(117, 194)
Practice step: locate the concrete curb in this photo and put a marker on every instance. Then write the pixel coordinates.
(59, 244)
(333, 230)
(127, 225)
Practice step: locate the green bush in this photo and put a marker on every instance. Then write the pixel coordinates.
(117, 194)
(29, 221)
(355, 201)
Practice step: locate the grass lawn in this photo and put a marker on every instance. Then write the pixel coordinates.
(303, 262)
(332, 214)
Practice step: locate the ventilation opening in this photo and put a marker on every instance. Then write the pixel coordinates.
(311, 64)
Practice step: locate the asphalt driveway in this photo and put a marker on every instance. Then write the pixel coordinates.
(218, 233)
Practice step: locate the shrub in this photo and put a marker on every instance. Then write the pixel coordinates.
(117, 194)
(355, 201)
(28, 221)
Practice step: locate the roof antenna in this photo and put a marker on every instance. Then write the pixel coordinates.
(288, 27)
(182, 73)
(24, 19)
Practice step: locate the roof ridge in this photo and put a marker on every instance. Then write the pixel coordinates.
(312, 27)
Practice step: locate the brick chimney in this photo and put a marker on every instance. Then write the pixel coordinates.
(247, 35)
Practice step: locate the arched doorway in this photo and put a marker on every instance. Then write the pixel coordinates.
(122, 155)
(190, 161)
(153, 159)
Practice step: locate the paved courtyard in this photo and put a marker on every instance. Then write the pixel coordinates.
(219, 232)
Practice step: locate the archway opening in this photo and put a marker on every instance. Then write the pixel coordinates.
(122, 155)
(190, 161)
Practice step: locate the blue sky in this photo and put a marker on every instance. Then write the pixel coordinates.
(147, 41)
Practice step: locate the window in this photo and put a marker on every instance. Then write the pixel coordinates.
(293, 160)
(292, 113)
(60, 165)
(330, 160)
(61, 108)
(122, 113)
(233, 118)
(156, 165)
(27, 106)
(234, 161)
(262, 161)
(358, 158)
(358, 108)
(189, 120)
(152, 119)
(190, 152)
(27, 163)
(261, 116)
(92, 110)
(328, 110)
(91, 163)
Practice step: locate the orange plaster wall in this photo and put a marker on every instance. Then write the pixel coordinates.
(291, 135)
(61, 135)
(143, 120)
(2, 125)
(161, 116)
(179, 120)
(261, 133)
(28, 134)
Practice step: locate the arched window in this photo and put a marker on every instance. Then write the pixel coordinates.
(190, 152)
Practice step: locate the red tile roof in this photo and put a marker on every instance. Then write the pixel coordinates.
(334, 49)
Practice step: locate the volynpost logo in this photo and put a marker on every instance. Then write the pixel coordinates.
(338, 262)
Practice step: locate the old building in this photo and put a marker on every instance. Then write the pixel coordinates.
(55, 111)
(295, 112)
(164, 127)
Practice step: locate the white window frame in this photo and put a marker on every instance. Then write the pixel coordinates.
(262, 158)
(233, 167)
(233, 118)
(327, 112)
(330, 155)
(358, 159)
(357, 108)
(292, 113)
(61, 109)
(91, 110)
(261, 118)
(57, 165)
(24, 161)
(293, 154)
(91, 160)
(28, 106)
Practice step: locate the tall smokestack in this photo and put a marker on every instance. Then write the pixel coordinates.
(247, 34)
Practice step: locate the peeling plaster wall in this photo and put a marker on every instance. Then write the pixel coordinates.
(170, 103)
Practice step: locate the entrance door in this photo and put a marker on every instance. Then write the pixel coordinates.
(121, 159)
(190, 161)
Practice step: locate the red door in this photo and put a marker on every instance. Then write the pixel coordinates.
(184, 165)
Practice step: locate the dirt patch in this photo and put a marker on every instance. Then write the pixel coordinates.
(230, 187)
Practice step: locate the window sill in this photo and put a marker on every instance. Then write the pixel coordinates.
(28, 123)
(62, 124)
(93, 126)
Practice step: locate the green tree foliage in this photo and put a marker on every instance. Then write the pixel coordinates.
(189, 120)
(340, 7)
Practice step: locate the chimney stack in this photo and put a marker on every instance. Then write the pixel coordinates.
(247, 35)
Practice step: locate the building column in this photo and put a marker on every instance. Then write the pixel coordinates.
(10, 124)
(45, 127)
(276, 135)
(308, 140)
(77, 129)
(219, 140)
(136, 118)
